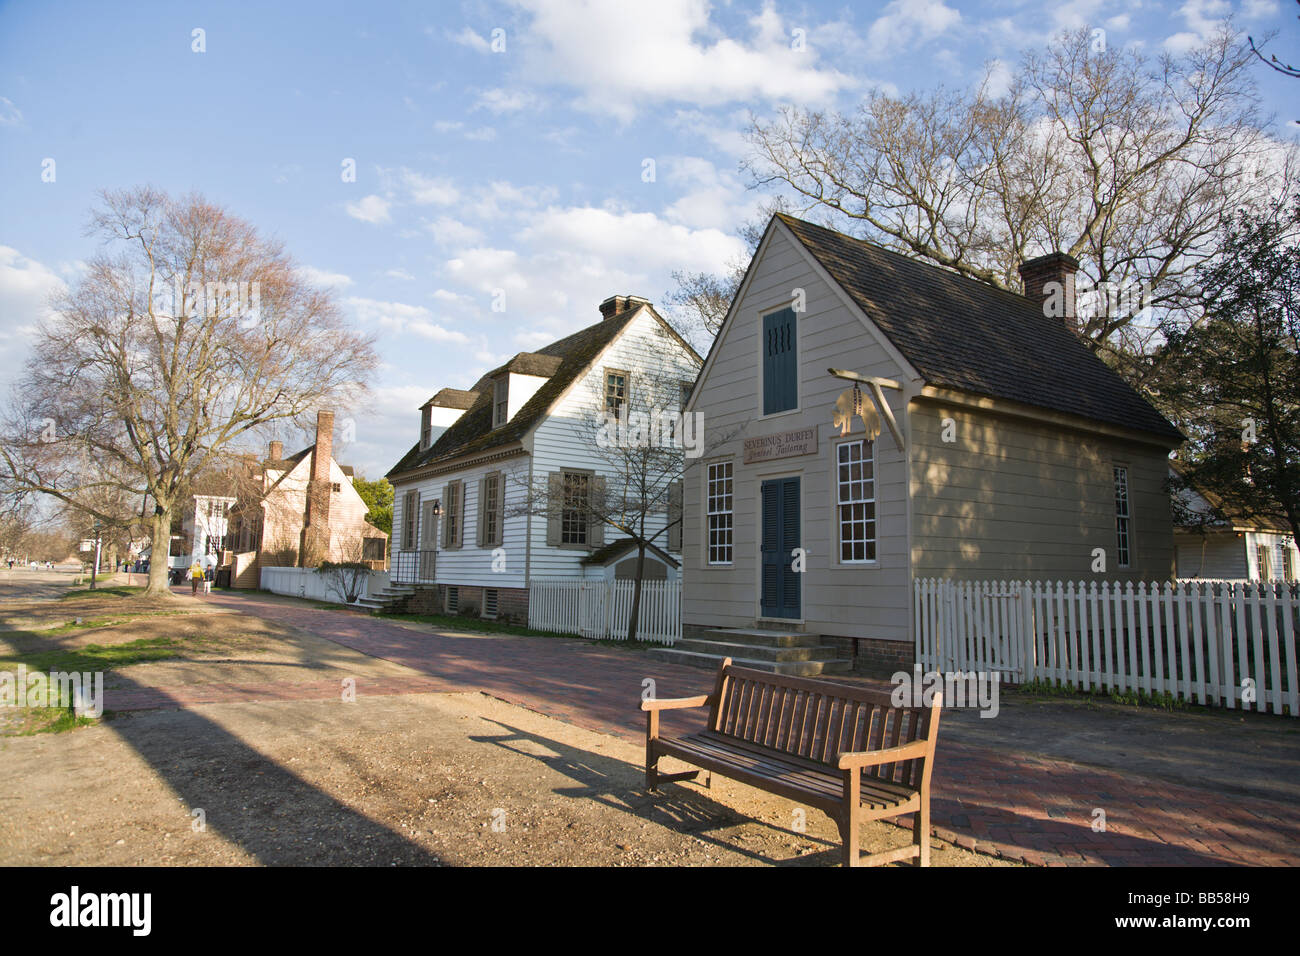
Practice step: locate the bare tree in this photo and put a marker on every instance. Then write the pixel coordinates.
(347, 577)
(1125, 163)
(185, 333)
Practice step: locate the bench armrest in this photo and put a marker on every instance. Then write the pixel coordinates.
(873, 758)
(674, 703)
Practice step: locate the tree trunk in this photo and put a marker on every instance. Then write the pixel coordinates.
(636, 592)
(160, 552)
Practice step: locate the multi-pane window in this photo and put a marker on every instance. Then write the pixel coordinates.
(451, 515)
(720, 513)
(573, 516)
(491, 509)
(615, 391)
(1288, 560)
(1262, 570)
(500, 401)
(1123, 518)
(855, 482)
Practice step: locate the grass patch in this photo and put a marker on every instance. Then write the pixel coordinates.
(120, 590)
(1162, 701)
(102, 657)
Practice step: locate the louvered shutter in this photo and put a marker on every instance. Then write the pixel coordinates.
(675, 516)
(554, 507)
(780, 373)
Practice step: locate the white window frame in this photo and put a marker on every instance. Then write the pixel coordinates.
(500, 401)
(713, 508)
(873, 540)
(1123, 516)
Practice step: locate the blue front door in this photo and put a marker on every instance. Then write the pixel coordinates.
(780, 595)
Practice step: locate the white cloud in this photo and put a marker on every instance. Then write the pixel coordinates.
(25, 288)
(620, 57)
(10, 115)
(506, 101)
(426, 191)
(712, 198)
(399, 317)
(336, 280)
(453, 233)
(468, 37)
(372, 209)
(906, 24)
(399, 274)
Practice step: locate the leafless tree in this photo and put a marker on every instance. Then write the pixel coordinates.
(1126, 163)
(187, 332)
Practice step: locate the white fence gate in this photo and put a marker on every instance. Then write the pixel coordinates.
(1226, 643)
(600, 609)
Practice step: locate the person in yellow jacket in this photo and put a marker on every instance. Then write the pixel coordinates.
(196, 575)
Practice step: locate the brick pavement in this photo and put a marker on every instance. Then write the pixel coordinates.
(1010, 803)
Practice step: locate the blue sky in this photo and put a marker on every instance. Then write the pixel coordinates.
(477, 169)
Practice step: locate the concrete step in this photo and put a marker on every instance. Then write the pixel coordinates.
(761, 652)
(757, 636)
(672, 655)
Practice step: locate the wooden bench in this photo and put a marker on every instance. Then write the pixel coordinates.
(845, 750)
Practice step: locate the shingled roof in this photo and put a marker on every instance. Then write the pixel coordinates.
(964, 334)
(473, 431)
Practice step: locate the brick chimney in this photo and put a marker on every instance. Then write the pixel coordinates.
(316, 524)
(276, 452)
(618, 304)
(1049, 284)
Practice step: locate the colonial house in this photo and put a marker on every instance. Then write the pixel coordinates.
(497, 490)
(894, 421)
(204, 526)
(300, 510)
(1214, 543)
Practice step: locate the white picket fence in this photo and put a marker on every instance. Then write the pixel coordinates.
(1225, 643)
(306, 583)
(600, 609)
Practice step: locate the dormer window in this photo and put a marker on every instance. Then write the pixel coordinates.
(500, 401)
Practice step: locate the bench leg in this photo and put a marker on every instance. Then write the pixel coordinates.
(651, 770)
(921, 833)
(849, 855)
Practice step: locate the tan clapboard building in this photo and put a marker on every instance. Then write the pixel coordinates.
(1008, 451)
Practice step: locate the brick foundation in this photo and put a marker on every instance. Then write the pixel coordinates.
(876, 658)
(512, 603)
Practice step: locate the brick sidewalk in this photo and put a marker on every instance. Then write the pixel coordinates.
(1010, 803)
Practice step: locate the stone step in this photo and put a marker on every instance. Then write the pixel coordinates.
(672, 655)
(761, 652)
(760, 636)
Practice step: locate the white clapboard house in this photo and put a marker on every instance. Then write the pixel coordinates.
(465, 536)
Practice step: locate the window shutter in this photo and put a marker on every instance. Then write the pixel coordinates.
(675, 514)
(501, 510)
(780, 376)
(554, 507)
(482, 510)
(596, 527)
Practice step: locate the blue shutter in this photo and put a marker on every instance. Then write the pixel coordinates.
(780, 375)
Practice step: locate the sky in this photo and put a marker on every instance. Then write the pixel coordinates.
(535, 155)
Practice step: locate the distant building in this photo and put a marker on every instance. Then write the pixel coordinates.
(301, 510)
(1213, 543)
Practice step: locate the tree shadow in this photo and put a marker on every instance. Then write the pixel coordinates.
(247, 798)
